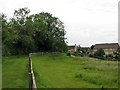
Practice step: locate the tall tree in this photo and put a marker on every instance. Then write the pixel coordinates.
(26, 33)
(25, 42)
(49, 34)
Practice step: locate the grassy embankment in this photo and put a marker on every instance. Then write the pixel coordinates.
(61, 71)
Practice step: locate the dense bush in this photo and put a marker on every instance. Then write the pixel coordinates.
(68, 54)
(109, 57)
(117, 56)
(91, 54)
(98, 54)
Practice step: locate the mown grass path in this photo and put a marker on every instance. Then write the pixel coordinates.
(15, 72)
(61, 71)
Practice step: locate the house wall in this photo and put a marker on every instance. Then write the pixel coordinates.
(107, 51)
(72, 48)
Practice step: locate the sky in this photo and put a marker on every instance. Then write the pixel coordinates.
(87, 22)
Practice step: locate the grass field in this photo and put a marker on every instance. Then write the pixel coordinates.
(0, 74)
(61, 71)
(15, 72)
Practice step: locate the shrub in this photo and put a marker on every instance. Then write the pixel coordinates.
(91, 55)
(68, 54)
(99, 54)
(117, 57)
(109, 57)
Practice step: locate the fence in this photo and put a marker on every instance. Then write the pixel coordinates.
(32, 83)
(44, 53)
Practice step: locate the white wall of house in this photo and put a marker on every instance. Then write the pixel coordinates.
(75, 48)
(107, 51)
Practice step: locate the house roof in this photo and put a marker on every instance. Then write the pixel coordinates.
(71, 47)
(107, 46)
(85, 47)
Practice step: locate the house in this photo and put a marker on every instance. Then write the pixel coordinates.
(83, 49)
(72, 48)
(109, 48)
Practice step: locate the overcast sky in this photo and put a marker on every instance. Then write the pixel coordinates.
(86, 22)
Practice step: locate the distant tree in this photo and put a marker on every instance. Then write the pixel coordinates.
(92, 47)
(78, 48)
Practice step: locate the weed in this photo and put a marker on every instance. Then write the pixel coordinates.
(78, 76)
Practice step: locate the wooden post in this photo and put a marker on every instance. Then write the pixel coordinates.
(30, 81)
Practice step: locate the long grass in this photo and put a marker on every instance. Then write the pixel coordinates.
(15, 72)
(61, 71)
(0, 74)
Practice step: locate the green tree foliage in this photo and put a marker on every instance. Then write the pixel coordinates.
(26, 33)
(7, 37)
(99, 53)
(118, 49)
(92, 47)
(117, 54)
(51, 30)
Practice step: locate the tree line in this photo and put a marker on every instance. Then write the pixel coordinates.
(24, 33)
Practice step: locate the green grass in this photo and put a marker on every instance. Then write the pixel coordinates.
(15, 72)
(61, 71)
(0, 75)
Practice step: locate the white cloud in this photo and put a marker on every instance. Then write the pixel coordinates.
(86, 21)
